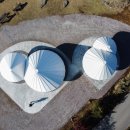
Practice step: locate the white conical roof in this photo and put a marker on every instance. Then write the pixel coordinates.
(106, 44)
(13, 66)
(99, 64)
(45, 71)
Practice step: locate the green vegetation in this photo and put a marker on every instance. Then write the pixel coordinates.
(94, 110)
(123, 85)
(97, 109)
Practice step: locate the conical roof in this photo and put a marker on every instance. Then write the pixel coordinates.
(13, 66)
(106, 44)
(45, 71)
(99, 64)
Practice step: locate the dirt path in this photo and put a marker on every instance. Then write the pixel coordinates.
(54, 7)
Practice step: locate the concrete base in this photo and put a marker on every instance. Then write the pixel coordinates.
(59, 31)
(22, 94)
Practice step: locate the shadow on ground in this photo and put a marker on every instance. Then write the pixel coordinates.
(74, 55)
(67, 49)
(37, 101)
(106, 124)
(66, 53)
(99, 116)
(71, 56)
(51, 49)
(122, 40)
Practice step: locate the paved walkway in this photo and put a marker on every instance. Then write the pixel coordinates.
(119, 119)
(58, 31)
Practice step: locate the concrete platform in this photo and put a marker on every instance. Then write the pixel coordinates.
(61, 32)
(22, 94)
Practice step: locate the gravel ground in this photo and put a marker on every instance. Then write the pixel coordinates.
(68, 30)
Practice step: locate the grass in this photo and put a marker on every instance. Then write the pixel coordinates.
(55, 7)
(95, 110)
(124, 16)
(96, 7)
